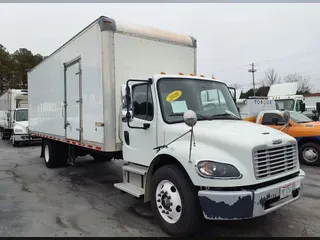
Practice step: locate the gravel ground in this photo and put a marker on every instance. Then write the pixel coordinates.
(81, 201)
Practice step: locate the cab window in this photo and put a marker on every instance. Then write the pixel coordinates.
(142, 106)
(267, 119)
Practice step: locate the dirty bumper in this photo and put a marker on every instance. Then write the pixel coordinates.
(24, 137)
(233, 205)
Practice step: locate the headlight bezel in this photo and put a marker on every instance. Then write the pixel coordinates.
(219, 164)
(18, 130)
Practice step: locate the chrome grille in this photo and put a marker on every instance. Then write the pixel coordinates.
(274, 161)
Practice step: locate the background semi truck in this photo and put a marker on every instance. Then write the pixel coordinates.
(101, 94)
(14, 116)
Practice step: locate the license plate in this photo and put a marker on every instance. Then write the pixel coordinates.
(285, 191)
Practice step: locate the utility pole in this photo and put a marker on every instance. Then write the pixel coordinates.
(253, 70)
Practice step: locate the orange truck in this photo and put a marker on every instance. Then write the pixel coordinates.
(302, 128)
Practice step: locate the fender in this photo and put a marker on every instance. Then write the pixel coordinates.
(178, 153)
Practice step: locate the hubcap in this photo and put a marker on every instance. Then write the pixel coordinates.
(168, 201)
(310, 155)
(46, 153)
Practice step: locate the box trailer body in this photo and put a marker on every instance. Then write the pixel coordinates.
(74, 94)
(101, 94)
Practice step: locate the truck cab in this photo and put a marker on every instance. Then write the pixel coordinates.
(186, 136)
(20, 131)
(284, 94)
(20, 126)
(302, 128)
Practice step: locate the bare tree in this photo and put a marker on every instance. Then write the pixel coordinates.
(303, 82)
(270, 78)
(235, 85)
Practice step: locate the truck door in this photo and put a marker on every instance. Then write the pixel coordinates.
(73, 101)
(138, 143)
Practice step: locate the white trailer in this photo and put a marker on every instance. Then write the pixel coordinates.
(14, 116)
(100, 94)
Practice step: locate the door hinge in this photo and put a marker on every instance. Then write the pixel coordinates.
(78, 73)
(79, 101)
(79, 129)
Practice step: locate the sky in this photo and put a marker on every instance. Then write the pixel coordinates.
(230, 36)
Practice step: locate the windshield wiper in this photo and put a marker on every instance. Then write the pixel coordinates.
(304, 122)
(198, 115)
(225, 116)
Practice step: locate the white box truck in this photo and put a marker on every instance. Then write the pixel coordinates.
(187, 151)
(14, 116)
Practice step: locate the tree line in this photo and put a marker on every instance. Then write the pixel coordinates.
(271, 77)
(14, 67)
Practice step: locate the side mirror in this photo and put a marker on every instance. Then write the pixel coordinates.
(314, 111)
(286, 117)
(274, 121)
(190, 118)
(302, 107)
(129, 116)
(318, 106)
(233, 93)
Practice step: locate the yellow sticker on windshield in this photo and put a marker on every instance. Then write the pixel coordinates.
(174, 96)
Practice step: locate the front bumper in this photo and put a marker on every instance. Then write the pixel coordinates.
(236, 205)
(24, 138)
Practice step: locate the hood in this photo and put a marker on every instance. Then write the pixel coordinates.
(23, 124)
(231, 141)
(225, 132)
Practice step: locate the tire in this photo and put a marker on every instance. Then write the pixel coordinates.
(101, 158)
(309, 154)
(53, 154)
(15, 143)
(176, 182)
(2, 134)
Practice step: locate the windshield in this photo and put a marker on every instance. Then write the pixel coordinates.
(209, 99)
(285, 104)
(22, 115)
(299, 117)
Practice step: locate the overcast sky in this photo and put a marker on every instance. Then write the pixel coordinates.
(230, 36)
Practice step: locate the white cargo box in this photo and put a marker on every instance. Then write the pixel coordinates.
(74, 94)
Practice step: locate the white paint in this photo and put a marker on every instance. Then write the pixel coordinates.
(283, 89)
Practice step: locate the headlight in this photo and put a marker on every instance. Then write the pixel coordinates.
(210, 169)
(18, 130)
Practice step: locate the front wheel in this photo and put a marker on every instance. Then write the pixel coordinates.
(174, 202)
(310, 154)
(15, 143)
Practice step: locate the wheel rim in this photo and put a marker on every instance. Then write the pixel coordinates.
(168, 201)
(310, 155)
(46, 153)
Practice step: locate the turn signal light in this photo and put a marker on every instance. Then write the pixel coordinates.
(162, 73)
(180, 73)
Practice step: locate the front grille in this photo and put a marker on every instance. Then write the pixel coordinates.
(274, 161)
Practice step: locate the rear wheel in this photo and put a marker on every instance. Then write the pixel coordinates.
(54, 154)
(174, 202)
(310, 154)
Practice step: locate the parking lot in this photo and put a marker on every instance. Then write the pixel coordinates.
(81, 201)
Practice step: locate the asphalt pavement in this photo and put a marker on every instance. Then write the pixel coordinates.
(81, 201)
